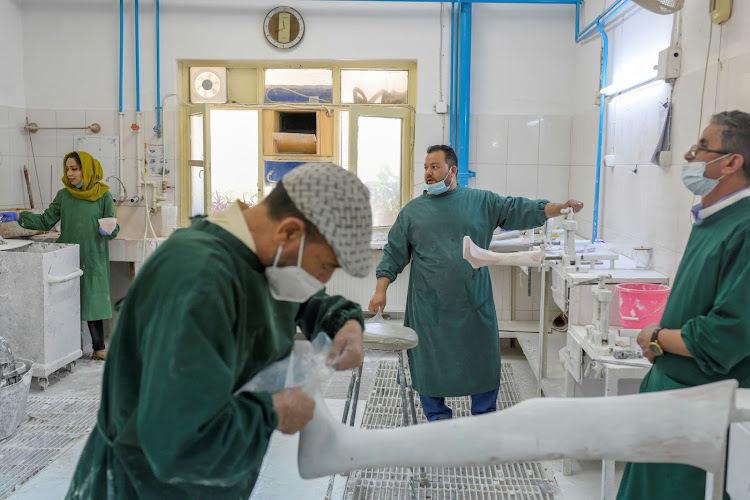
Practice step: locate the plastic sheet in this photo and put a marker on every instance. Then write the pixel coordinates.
(305, 368)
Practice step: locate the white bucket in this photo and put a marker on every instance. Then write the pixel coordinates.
(13, 402)
(108, 224)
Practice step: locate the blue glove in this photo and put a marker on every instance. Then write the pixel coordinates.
(103, 232)
(8, 216)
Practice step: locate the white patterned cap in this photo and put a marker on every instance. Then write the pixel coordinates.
(338, 203)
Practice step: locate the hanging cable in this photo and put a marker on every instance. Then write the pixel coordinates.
(703, 95)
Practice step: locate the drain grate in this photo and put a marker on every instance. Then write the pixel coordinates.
(51, 425)
(517, 481)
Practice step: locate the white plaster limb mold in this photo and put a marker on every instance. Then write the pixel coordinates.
(389, 337)
(479, 257)
(690, 426)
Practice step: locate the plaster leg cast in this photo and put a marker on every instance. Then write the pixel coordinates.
(687, 426)
(479, 257)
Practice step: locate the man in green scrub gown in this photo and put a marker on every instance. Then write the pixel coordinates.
(214, 305)
(449, 304)
(704, 335)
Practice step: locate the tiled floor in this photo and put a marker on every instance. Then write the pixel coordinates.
(279, 478)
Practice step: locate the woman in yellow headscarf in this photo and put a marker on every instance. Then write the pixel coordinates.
(79, 206)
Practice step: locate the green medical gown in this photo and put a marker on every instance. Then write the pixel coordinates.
(710, 303)
(80, 225)
(449, 304)
(197, 323)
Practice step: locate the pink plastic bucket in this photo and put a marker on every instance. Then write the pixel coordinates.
(641, 303)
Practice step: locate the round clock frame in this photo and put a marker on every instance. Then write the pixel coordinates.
(278, 33)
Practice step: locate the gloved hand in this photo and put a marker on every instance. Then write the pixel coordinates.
(8, 216)
(103, 232)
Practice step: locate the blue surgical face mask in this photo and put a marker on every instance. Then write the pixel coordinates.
(439, 187)
(694, 180)
(79, 186)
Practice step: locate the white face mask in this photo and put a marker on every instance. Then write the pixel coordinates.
(292, 283)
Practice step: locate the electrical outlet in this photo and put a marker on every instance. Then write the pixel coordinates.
(668, 67)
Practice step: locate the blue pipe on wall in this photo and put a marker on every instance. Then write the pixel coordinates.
(600, 140)
(137, 63)
(121, 43)
(157, 128)
(600, 20)
(548, 2)
(451, 99)
(464, 92)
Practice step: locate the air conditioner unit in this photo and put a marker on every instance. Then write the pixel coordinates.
(208, 85)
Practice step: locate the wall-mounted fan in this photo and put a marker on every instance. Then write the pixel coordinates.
(661, 6)
(208, 85)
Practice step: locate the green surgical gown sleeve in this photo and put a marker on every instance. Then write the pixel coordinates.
(325, 313)
(397, 253)
(44, 221)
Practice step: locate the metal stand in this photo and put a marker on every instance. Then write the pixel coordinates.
(407, 405)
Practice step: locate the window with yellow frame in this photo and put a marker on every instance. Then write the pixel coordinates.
(275, 116)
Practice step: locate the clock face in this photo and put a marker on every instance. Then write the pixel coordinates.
(284, 27)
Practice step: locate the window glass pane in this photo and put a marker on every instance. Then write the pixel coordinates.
(196, 137)
(197, 206)
(379, 165)
(363, 86)
(234, 157)
(196, 191)
(299, 85)
(344, 139)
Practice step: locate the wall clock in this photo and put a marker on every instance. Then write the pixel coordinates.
(284, 27)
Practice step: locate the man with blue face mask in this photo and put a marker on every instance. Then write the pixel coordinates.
(217, 303)
(704, 335)
(450, 304)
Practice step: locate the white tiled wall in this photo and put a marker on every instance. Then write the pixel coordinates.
(644, 204)
(522, 155)
(13, 156)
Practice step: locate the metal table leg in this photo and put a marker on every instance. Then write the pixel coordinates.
(353, 390)
(611, 380)
(358, 374)
(406, 390)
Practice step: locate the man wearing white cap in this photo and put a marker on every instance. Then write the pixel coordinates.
(215, 304)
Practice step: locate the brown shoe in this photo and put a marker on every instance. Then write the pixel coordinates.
(100, 355)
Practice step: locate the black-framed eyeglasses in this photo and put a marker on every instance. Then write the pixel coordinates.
(695, 148)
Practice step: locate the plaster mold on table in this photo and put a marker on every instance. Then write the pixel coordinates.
(13, 244)
(686, 426)
(388, 337)
(479, 257)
